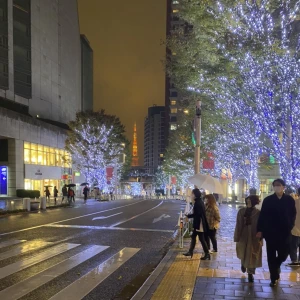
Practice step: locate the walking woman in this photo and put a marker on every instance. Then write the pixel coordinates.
(213, 220)
(248, 246)
(199, 225)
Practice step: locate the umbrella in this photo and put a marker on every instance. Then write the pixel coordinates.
(47, 186)
(206, 182)
(71, 185)
(84, 184)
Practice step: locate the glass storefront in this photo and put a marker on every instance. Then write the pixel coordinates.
(31, 184)
(37, 154)
(40, 155)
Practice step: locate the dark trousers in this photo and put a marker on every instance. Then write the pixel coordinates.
(211, 236)
(294, 247)
(277, 252)
(201, 236)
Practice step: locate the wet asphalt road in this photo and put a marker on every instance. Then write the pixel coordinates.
(147, 226)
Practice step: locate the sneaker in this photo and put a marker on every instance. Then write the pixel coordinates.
(294, 264)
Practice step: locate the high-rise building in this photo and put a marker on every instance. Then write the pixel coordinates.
(135, 155)
(87, 76)
(171, 97)
(40, 91)
(154, 138)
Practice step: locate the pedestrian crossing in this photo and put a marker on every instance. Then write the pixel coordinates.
(42, 251)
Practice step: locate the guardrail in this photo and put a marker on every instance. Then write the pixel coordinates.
(184, 225)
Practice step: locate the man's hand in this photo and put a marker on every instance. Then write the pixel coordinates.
(259, 235)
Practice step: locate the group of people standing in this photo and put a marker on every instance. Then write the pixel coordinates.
(277, 223)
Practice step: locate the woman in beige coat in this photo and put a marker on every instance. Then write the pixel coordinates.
(248, 247)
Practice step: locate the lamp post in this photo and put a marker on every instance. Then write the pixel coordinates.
(198, 136)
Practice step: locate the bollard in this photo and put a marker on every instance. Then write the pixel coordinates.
(26, 204)
(43, 205)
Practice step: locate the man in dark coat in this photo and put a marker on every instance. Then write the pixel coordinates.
(276, 220)
(200, 226)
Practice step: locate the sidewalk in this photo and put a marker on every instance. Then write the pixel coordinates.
(178, 277)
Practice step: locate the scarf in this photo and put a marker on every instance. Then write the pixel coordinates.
(247, 215)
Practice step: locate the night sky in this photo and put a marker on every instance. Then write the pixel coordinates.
(129, 75)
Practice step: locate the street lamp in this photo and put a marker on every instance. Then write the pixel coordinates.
(198, 136)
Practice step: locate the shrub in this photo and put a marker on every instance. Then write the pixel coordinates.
(28, 193)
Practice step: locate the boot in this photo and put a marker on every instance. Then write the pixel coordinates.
(189, 253)
(206, 256)
(250, 278)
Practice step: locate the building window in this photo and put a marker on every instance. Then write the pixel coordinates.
(22, 47)
(173, 126)
(173, 102)
(173, 110)
(3, 45)
(36, 154)
(161, 155)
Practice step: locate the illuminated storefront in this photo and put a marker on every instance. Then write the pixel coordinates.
(3, 180)
(46, 166)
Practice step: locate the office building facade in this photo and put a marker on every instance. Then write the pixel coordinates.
(40, 91)
(154, 138)
(87, 76)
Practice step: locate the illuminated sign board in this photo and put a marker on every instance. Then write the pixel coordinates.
(3, 180)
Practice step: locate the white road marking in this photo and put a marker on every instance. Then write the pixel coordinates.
(26, 286)
(10, 243)
(105, 217)
(25, 263)
(95, 213)
(107, 228)
(124, 221)
(164, 216)
(21, 249)
(84, 285)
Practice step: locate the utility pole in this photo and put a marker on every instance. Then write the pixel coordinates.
(198, 136)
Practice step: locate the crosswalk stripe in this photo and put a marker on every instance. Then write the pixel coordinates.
(21, 249)
(25, 263)
(22, 288)
(11, 242)
(84, 285)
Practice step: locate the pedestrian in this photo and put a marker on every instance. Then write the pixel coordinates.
(295, 239)
(275, 223)
(47, 192)
(55, 193)
(248, 246)
(200, 225)
(85, 193)
(213, 219)
(71, 195)
(64, 192)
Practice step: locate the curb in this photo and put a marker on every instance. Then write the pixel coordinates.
(164, 264)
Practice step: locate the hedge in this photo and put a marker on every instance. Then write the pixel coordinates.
(28, 193)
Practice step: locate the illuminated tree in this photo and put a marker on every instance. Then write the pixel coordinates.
(252, 56)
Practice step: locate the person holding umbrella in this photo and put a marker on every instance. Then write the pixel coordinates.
(200, 225)
(47, 192)
(71, 193)
(64, 192)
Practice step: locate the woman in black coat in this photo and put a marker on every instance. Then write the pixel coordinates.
(200, 226)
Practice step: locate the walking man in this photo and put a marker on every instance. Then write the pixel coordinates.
(276, 220)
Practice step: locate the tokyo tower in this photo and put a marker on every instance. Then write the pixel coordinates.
(135, 157)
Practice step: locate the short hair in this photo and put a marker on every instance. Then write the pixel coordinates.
(254, 199)
(279, 180)
(197, 193)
